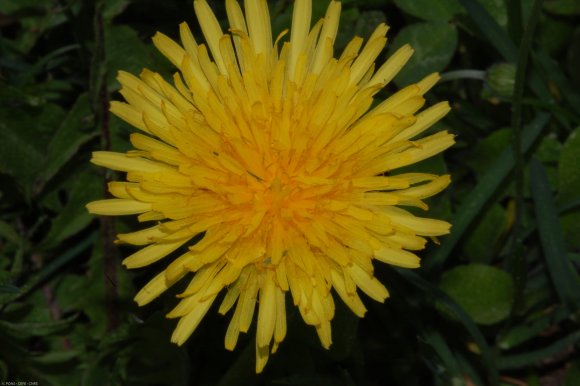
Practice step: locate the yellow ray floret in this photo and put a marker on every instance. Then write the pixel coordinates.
(268, 152)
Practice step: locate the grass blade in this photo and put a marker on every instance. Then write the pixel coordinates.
(438, 344)
(55, 265)
(492, 31)
(483, 192)
(561, 272)
(487, 356)
(519, 361)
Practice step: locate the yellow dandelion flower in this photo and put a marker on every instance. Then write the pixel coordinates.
(271, 151)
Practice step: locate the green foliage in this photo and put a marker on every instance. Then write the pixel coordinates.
(484, 292)
(431, 10)
(497, 301)
(434, 43)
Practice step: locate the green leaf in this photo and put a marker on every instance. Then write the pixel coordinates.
(554, 35)
(484, 154)
(497, 9)
(24, 136)
(68, 138)
(568, 170)
(434, 44)
(484, 292)
(48, 270)
(558, 80)
(482, 243)
(35, 17)
(8, 232)
(519, 361)
(7, 288)
(531, 328)
(549, 150)
(56, 357)
(564, 277)
(562, 7)
(112, 8)
(444, 301)
(430, 10)
(572, 375)
(367, 22)
(474, 203)
(73, 218)
(491, 29)
(40, 328)
(125, 51)
(436, 341)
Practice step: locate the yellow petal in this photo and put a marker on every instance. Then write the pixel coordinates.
(398, 257)
(152, 253)
(211, 30)
(118, 207)
(125, 163)
(267, 311)
(189, 322)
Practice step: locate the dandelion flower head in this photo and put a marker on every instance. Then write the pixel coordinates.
(269, 150)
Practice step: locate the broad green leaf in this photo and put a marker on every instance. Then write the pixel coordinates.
(24, 135)
(564, 277)
(434, 44)
(68, 138)
(125, 51)
(549, 150)
(73, 217)
(484, 154)
(554, 34)
(367, 22)
(112, 8)
(481, 244)
(441, 10)
(484, 292)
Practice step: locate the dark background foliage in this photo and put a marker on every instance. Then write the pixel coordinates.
(495, 303)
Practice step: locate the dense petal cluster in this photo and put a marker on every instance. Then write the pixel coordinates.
(271, 151)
